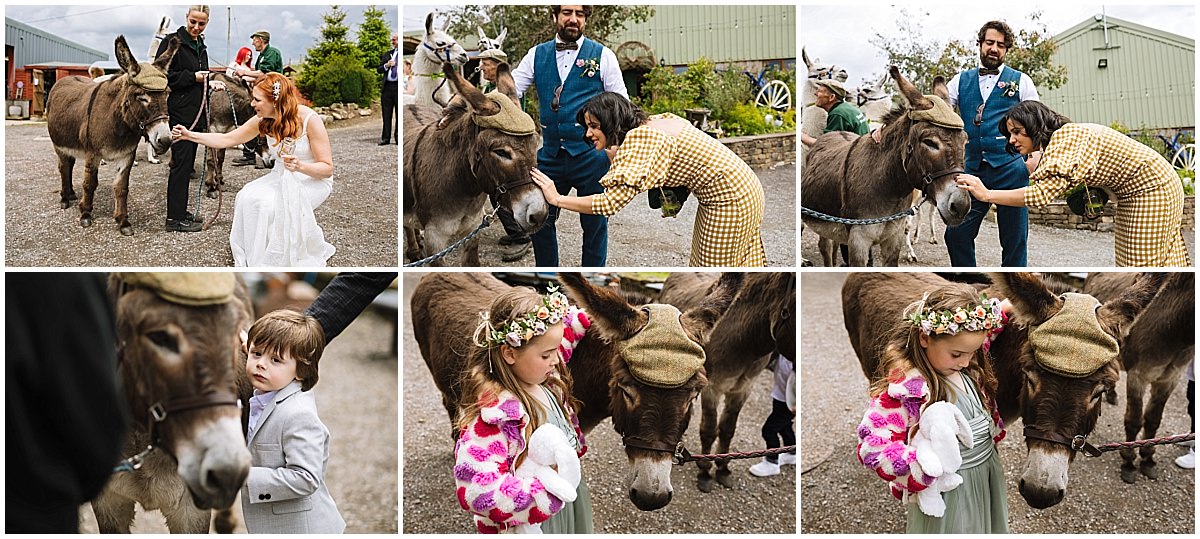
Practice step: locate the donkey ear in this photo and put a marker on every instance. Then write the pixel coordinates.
(804, 54)
(125, 58)
(940, 89)
(429, 23)
(616, 319)
(505, 83)
(503, 34)
(1120, 311)
(475, 99)
(1032, 302)
(164, 60)
(704, 316)
(915, 98)
(482, 36)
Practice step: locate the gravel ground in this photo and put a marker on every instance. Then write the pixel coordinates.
(1049, 247)
(359, 218)
(362, 467)
(839, 495)
(429, 505)
(640, 237)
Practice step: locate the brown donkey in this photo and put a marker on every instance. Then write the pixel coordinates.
(1161, 342)
(757, 323)
(1054, 408)
(445, 310)
(94, 121)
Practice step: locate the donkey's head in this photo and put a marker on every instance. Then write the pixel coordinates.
(656, 375)
(933, 145)
(143, 100)
(1068, 361)
(437, 47)
(178, 355)
(501, 143)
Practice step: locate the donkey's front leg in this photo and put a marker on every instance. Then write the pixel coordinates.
(215, 179)
(91, 168)
(66, 165)
(729, 416)
(121, 194)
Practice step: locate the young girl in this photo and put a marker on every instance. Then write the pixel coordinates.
(516, 381)
(289, 446)
(938, 352)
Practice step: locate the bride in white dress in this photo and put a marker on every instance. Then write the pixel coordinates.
(273, 221)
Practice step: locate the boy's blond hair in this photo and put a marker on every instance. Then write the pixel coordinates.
(289, 332)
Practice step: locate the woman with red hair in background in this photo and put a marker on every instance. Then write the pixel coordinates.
(273, 220)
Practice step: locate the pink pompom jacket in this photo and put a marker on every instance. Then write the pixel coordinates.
(887, 427)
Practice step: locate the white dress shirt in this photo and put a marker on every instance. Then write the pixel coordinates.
(258, 402)
(610, 69)
(987, 82)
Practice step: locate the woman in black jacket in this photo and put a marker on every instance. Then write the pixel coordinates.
(186, 77)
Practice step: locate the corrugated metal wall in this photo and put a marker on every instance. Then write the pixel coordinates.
(682, 34)
(1150, 81)
(33, 46)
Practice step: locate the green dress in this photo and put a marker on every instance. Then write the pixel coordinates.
(980, 503)
(575, 517)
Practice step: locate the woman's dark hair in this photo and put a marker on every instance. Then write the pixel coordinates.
(1039, 121)
(616, 114)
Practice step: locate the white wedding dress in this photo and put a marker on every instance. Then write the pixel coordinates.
(273, 221)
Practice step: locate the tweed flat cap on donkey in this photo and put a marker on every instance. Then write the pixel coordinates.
(662, 354)
(1071, 343)
(511, 119)
(940, 115)
(193, 289)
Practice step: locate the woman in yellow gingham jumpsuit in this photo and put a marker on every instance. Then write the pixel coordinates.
(1149, 192)
(728, 229)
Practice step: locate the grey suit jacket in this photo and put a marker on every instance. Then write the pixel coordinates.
(286, 491)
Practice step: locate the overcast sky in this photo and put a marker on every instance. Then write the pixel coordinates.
(842, 35)
(293, 28)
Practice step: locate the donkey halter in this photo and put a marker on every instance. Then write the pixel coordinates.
(1077, 443)
(438, 51)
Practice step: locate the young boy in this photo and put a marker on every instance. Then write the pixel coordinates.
(289, 446)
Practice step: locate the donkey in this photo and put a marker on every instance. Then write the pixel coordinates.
(1159, 345)
(1054, 408)
(452, 164)
(228, 109)
(445, 310)
(179, 367)
(853, 177)
(437, 47)
(757, 323)
(94, 121)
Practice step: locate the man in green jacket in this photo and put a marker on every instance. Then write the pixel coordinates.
(842, 116)
(269, 61)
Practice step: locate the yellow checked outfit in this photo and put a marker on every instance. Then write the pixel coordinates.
(1149, 193)
(728, 230)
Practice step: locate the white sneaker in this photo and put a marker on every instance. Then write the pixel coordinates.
(1187, 461)
(765, 468)
(787, 458)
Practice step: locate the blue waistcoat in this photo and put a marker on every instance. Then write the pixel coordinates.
(559, 129)
(984, 142)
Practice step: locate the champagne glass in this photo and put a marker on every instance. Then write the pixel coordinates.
(288, 147)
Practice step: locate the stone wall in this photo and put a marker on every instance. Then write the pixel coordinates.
(764, 151)
(1058, 214)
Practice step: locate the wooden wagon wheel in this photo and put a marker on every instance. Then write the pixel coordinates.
(1185, 157)
(776, 95)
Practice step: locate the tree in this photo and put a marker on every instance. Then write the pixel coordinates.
(333, 43)
(924, 59)
(374, 39)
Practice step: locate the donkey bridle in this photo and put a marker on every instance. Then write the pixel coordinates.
(1077, 443)
(652, 445)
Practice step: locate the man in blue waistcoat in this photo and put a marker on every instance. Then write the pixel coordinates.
(983, 96)
(568, 71)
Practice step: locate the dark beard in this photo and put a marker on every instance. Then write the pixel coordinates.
(990, 63)
(565, 34)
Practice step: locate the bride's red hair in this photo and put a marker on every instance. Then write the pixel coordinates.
(286, 101)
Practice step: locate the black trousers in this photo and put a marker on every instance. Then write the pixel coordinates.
(183, 160)
(389, 101)
(778, 427)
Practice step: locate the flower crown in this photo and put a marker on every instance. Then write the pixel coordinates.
(986, 316)
(517, 332)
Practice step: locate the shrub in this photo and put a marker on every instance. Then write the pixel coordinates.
(342, 79)
(1188, 177)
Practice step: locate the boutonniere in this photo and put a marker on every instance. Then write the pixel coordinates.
(589, 66)
(1009, 89)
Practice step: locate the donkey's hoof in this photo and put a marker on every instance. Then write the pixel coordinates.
(64, 204)
(85, 222)
(1149, 470)
(127, 230)
(725, 478)
(212, 194)
(704, 484)
(1128, 474)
